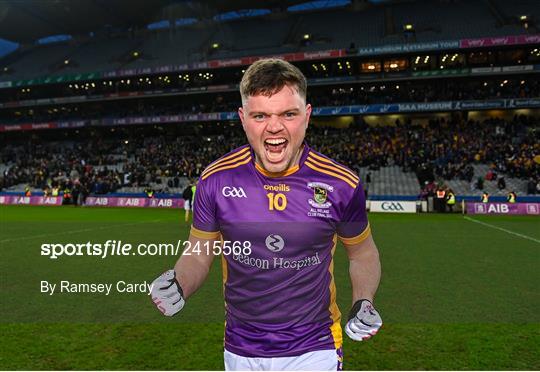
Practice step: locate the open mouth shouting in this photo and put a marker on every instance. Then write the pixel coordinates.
(275, 149)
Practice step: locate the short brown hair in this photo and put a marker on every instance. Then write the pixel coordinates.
(268, 76)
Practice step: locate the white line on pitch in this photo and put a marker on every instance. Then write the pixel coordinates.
(76, 231)
(502, 229)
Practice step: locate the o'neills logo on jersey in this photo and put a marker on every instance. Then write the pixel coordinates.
(281, 187)
(233, 192)
(320, 194)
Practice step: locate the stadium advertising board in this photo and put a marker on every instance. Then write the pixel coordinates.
(491, 70)
(504, 208)
(30, 200)
(393, 206)
(446, 72)
(111, 201)
(523, 103)
(221, 63)
(499, 41)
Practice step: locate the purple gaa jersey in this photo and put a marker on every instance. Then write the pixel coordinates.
(280, 300)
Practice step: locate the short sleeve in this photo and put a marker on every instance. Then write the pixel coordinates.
(354, 226)
(205, 224)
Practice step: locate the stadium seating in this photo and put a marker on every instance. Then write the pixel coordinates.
(164, 163)
(328, 31)
(38, 60)
(254, 36)
(515, 9)
(462, 19)
(392, 153)
(461, 187)
(331, 29)
(390, 181)
(384, 181)
(182, 45)
(102, 55)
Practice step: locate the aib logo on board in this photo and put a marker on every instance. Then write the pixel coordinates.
(532, 209)
(274, 242)
(233, 192)
(479, 208)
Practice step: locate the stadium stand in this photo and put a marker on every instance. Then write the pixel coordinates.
(96, 55)
(251, 37)
(456, 153)
(422, 91)
(461, 20)
(390, 180)
(111, 110)
(339, 28)
(179, 46)
(463, 187)
(331, 29)
(517, 8)
(400, 153)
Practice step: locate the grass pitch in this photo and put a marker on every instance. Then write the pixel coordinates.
(454, 295)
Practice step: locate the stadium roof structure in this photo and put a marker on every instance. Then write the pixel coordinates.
(25, 21)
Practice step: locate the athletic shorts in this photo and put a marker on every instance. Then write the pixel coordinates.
(321, 360)
(187, 205)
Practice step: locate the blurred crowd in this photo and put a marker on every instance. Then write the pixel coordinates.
(102, 165)
(448, 147)
(102, 160)
(442, 150)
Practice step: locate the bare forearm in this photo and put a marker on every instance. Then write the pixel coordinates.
(191, 274)
(365, 273)
(192, 270)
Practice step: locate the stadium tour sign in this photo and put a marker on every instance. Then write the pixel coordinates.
(504, 208)
(393, 206)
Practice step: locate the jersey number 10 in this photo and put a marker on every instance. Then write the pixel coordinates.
(276, 201)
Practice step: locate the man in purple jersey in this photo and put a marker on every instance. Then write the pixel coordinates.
(274, 210)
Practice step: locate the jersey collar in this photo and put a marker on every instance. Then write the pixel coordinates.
(285, 173)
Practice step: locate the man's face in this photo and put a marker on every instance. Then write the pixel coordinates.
(275, 127)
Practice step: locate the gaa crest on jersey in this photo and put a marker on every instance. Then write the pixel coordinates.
(233, 192)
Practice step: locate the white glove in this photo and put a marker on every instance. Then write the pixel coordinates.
(167, 294)
(364, 321)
